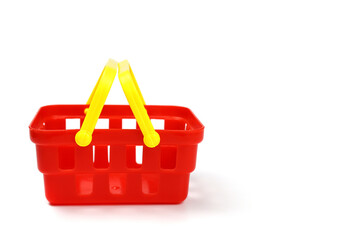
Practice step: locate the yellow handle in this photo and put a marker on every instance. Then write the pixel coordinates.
(136, 102)
(98, 97)
(96, 100)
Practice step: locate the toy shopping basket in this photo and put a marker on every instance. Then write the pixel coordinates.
(88, 165)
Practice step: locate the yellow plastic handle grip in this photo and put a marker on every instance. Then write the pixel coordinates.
(96, 100)
(136, 102)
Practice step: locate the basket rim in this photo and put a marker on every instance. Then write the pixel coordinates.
(39, 135)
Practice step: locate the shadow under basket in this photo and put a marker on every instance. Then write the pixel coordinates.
(116, 168)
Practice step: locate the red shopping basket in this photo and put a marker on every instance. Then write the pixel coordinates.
(106, 170)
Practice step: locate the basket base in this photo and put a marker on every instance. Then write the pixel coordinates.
(116, 188)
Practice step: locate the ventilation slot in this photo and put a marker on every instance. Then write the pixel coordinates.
(66, 158)
(134, 156)
(128, 123)
(159, 124)
(72, 123)
(101, 156)
(168, 157)
(102, 123)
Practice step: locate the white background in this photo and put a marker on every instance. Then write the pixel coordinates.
(276, 84)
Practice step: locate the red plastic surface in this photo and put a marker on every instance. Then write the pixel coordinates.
(106, 171)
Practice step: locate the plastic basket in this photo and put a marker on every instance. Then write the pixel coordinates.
(106, 171)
